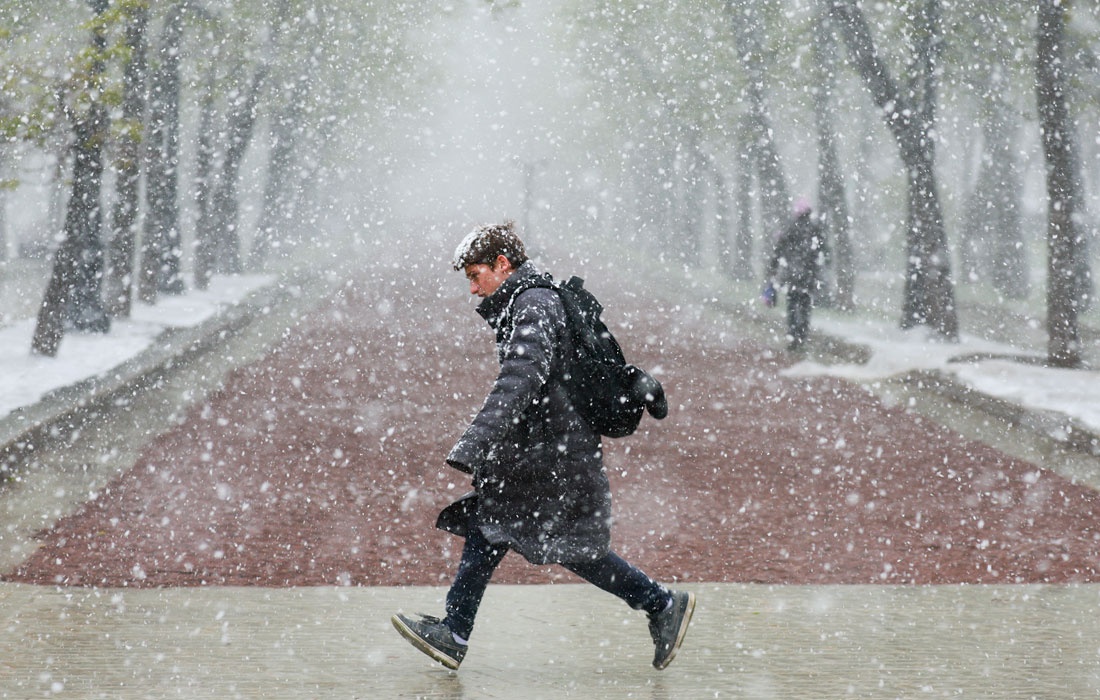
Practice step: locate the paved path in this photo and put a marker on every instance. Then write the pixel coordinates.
(319, 463)
(556, 641)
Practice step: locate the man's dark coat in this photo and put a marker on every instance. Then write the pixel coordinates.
(800, 255)
(538, 471)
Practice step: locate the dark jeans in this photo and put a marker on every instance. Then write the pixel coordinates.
(799, 305)
(480, 558)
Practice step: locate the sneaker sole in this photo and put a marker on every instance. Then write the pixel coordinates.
(680, 633)
(418, 642)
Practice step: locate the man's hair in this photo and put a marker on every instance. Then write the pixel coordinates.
(482, 246)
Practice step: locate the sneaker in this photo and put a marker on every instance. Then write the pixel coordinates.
(431, 636)
(669, 627)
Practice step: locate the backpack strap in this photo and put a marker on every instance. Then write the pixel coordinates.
(586, 303)
(543, 281)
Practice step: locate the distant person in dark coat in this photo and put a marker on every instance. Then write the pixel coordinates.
(798, 262)
(539, 483)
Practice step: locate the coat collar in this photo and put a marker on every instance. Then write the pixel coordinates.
(493, 306)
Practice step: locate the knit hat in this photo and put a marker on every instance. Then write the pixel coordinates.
(802, 206)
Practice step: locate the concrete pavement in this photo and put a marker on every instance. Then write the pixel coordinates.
(747, 641)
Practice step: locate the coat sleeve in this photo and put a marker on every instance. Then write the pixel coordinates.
(539, 321)
(781, 253)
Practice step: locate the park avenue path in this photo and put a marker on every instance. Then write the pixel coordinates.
(315, 474)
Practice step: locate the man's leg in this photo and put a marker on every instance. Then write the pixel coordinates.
(669, 611)
(445, 640)
(806, 305)
(618, 577)
(480, 559)
(798, 317)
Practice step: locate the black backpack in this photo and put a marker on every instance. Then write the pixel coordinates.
(610, 394)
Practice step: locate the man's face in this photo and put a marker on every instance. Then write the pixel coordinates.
(485, 279)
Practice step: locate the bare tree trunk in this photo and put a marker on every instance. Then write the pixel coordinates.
(226, 202)
(3, 204)
(693, 200)
(120, 259)
(972, 247)
(651, 209)
(684, 156)
(994, 243)
(205, 185)
(286, 132)
(160, 249)
(1082, 65)
(862, 211)
(1009, 253)
(1064, 241)
(771, 184)
(929, 296)
(659, 182)
(746, 156)
(73, 292)
(530, 170)
(723, 213)
(775, 198)
(55, 208)
(4, 185)
(832, 198)
(306, 207)
(240, 128)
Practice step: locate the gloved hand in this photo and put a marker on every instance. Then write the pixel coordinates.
(768, 295)
(649, 391)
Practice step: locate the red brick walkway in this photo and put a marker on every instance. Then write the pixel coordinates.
(323, 464)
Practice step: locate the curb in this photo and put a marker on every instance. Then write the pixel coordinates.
(65, 409)
(1064, 430)
(1067, 432)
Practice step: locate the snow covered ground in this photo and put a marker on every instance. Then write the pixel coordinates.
(1075, 393)
(27, 378)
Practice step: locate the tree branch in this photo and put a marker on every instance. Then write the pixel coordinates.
(861, 48)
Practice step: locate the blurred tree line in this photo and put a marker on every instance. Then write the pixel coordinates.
(138, 113)
(734, 107)
(925, 130)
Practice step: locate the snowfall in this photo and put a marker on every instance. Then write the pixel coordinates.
(1072, 392)
(27, 378)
